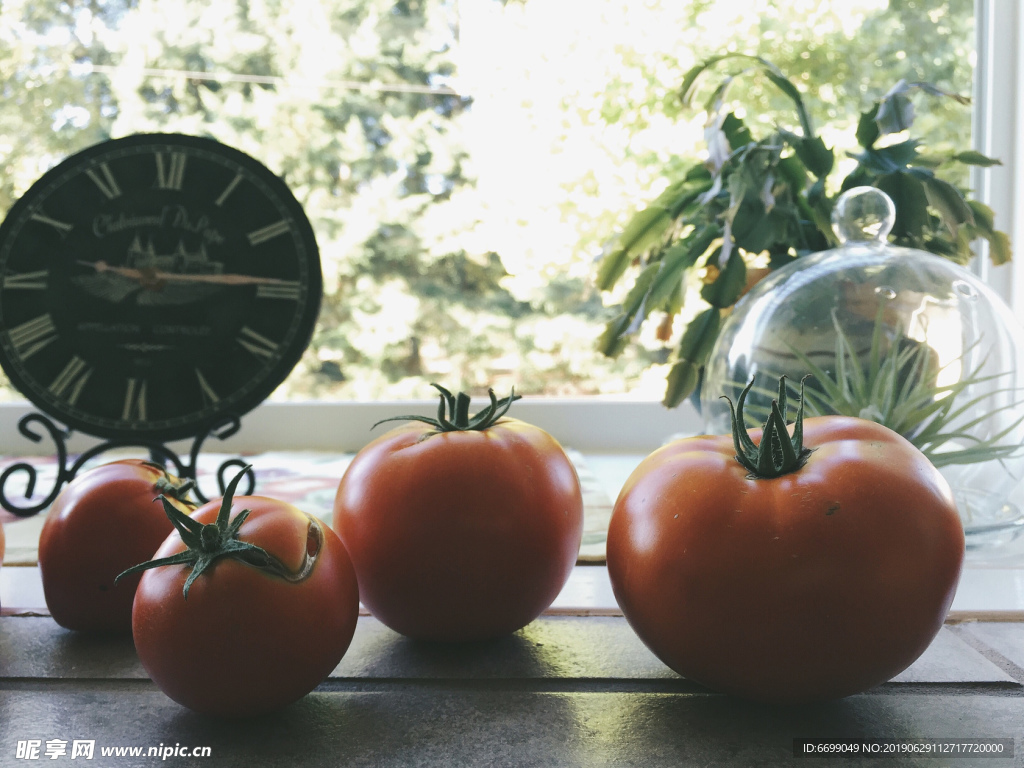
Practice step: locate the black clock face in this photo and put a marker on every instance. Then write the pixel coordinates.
(151, 284)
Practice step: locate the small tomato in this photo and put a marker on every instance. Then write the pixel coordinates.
(464, 529)
(773, 571)
(247, 606)
(102, 522)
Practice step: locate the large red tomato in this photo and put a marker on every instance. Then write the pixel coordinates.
(461, 529)
(247, 607)
(802, 573)
(105, 520)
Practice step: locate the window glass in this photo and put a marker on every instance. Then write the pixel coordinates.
(463, 162)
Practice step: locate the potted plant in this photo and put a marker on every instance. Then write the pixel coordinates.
(774, 196)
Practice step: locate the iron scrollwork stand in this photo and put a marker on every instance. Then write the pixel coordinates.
(158, 452)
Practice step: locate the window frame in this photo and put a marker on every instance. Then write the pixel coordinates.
(622, 425)
(594, 425)
(998, 116)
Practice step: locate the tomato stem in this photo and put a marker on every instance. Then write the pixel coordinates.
(457, 407)
(777, 454)
(167, 486)
(207, 543)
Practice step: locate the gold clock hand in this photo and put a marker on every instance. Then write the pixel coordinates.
(102, 266)
(152, 276)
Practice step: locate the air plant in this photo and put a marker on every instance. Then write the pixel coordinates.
(897, 386)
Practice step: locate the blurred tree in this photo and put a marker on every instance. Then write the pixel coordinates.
(462, 161)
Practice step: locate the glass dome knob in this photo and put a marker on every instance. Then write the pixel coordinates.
(863, 215)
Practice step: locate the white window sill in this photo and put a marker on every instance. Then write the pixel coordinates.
(992, 594)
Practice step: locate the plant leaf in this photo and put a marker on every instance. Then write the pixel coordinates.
(736, 131)
(984, 217)
(895, 111)
(616, 334)
(696, 344)
(676, 260)
(972, 157)
(908, 195)
(817, 158)
(729, 284)
(867, 128)
(687, 88)
(999, 250)
(949, 202)
(681, 382)
(647, 227)
(984, 226)
(642, 232)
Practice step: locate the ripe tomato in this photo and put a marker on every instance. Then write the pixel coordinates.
(102, 522)
(460, 530)
(800, 574)
(264, 614)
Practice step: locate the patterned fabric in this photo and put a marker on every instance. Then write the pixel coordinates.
(306, 479)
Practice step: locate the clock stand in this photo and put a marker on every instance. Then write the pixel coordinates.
(186, 469)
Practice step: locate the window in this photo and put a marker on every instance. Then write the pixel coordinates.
(465, 161)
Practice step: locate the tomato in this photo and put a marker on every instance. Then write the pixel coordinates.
(460, 529)
(804, 573)
(102, 522)
(246, 608)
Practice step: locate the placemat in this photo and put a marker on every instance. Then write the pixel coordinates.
(308, 480)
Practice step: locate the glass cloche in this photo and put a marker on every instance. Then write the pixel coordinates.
(895, 335)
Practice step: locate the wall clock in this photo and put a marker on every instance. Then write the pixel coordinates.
(151, 284)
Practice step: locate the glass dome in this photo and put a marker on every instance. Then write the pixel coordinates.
(895, 335)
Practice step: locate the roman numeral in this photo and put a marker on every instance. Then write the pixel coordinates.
(26, 281)
(69, 382)
(266, 233)
(134, 401)
(105, 181)
(228, 190)
(210, 397)
(28, 338)
(289, 290)
(259, 345)
(170, 174)
(61, 226)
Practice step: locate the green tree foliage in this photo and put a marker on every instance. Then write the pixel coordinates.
(385, 126)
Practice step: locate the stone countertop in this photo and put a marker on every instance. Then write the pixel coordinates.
(565, 691)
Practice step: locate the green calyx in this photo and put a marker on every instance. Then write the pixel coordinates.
(777, 454)
(209, 542)
(453, 412)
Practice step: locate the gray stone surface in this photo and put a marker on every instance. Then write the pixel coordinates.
(450, 726)
(564, 692)
(560, 647)
(951, 660)
(1005, 638)
(39, 647)
(563, 647)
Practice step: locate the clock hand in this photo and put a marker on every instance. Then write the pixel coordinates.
(153, 276)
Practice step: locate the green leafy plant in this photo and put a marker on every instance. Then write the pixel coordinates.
(897, 387)
(774, 196)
